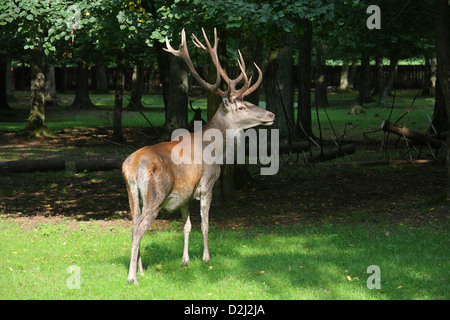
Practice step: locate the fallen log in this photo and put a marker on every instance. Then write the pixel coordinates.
(20, 166)
(332, 154)
(295, 147)
(415, 136)
(98, 165)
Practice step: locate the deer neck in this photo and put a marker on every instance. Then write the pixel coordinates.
(220, 122)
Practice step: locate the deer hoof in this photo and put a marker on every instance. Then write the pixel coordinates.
(133, 281)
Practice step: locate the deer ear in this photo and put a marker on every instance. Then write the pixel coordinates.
(226, 105)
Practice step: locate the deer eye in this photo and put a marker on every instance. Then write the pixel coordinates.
(241, 108)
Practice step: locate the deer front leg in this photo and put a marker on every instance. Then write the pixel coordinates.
(205, 202)
(210, 176)
(187, 230)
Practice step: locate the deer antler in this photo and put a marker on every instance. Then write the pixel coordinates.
(184, 54)
(232, 93)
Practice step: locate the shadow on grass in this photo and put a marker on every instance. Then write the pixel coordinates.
(303, 263)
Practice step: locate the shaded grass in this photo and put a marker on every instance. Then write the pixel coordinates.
(295, 262)
(59, 118)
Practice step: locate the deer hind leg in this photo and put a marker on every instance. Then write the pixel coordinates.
(187, 230)
(140, 226)
(135, 210)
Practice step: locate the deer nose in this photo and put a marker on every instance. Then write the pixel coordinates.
(271, 115)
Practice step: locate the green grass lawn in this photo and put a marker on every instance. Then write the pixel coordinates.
(296, 262)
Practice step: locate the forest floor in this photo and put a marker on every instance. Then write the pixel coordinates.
(345, 190)
(340, 191)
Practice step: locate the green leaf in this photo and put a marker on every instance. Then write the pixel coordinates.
(30, 17)
(121, 17)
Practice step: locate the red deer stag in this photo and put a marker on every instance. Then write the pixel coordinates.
(154, 181)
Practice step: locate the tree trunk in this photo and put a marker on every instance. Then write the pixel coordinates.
(137, 87)
(279, 87)
(440, 118)
(304, 126)
(343, 84)
(252, 72)
(163, 57)
(390, 83)
(82, 99)
(98, 165)
(63, 79)
(433, 72)
(364, 80)
(352, 74)
(118, 96)
(177, 107)
(342, 151)
(20, 166)
(50, 85)
(3, 92)
(410, 134)
(213, 100)
(9, 85)
(426, 86)
(36, 121)
(379, 78)
(321, 76)
(164, 71)
(100, 77)
(442, 46)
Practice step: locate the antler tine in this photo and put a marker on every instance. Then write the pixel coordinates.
(170, 49)
(239, 93)
(198, 44)
(257, 83)
(243, 67)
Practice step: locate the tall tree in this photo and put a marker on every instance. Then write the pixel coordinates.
(304, 125)
(364, 94)
(36, 120)
(343, 83)
(101, 82)
(3, 92)
(320, 77)
(177, 108)
(279, 86)
(82, 98)
(137, 87)
(118, 95)
(442, 29)
(50, 84)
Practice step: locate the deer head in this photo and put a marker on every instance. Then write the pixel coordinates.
(234, 111)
